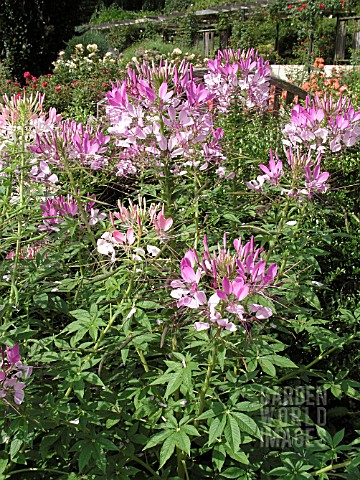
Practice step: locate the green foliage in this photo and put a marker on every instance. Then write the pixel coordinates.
(124, 387)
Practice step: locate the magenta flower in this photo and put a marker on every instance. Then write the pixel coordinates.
(240, 276)
(239, 77)
(323, 124)
(11, 372)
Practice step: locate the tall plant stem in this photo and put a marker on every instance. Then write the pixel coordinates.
(196, 214)
(13, 289)
(77, 197)
(210, 369)
(312, 363)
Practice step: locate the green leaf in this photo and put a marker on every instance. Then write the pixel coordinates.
(280, 361)
(238, 456)
(216, 429)
(15, 446)
(247, 424)
(158, 438)
(232, 433)
(92, 378)
(218, 456)
(167, 449)
(175, 383)
(310, 297)
(85, 454)
(79, 388)
(191, 430)
(233, 472)
(338, 437)
(267, 366)
(324, 435)
(182, 441)
(221, 353)
(82, 315)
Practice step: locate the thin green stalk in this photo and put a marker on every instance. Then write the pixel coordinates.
(210, 369)
(77, 197)
(13, 299)
(311, 364)
(332, 467)
(196, 214)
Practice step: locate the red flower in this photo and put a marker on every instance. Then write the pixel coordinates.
(58, 88)
(299, 9)
(44, 84)
(8, 81)
(322, 6)
(290, 7)
(304, 5)
(27, 75)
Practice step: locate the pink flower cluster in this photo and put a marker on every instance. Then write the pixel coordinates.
(304, 178)
(56, 209)
(73, 141)
(136, 221)
(323, 123)
(161, 120)
(12, 371)
(221, 285)
(239, 77)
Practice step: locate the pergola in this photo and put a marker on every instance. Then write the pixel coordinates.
(208, 21)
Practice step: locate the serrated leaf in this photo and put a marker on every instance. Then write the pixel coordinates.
(218, 456)
(324, 435)
(167, 450)
(247, 424)
(232, 433)
(182, 441)
(238, 456)
(267, 366)
(84, 457)
(92, 378)
(280, 361)
(158, 438)
(338, 437)
(216, 429)
(15, 446)
(190, 430)
(174, 383)
(82, 315)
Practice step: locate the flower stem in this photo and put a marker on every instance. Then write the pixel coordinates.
(210, 369)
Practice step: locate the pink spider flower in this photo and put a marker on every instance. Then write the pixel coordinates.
(12, 371)
(240, 276)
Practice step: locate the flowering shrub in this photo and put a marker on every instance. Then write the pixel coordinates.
(159, 351)
(319, 84)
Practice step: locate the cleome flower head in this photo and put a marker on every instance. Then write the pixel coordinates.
(12, 371)
(221, 285)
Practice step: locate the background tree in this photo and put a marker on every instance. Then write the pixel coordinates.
(33, 31)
